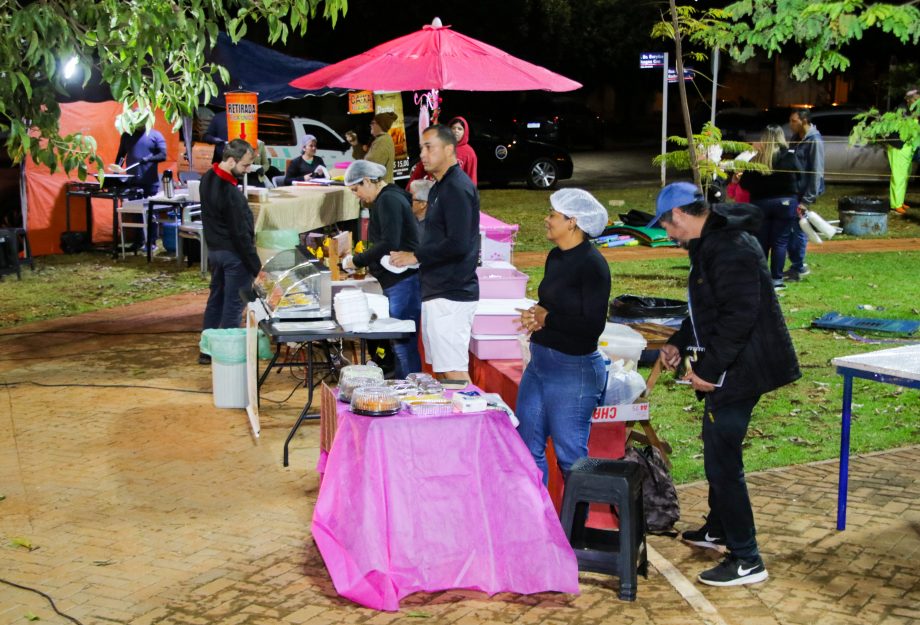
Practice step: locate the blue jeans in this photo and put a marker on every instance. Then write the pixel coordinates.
(778, 217)
(557, 395)
(730, 512)
(798, 241)
(228, 276)
(406, 303)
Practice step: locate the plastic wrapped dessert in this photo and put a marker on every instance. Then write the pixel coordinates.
(402, 388)
(429, 407)
(374, 401)
(354, 376)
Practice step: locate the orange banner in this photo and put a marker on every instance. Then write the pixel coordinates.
(243, 116)
(360, 102)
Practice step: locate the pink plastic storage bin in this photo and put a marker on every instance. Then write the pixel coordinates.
(495, 347)
(496, 324)
(501, 283)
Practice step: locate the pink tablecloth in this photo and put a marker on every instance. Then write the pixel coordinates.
(411, 504)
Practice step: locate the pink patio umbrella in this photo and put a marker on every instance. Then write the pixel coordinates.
(431, 59)
(435, 57)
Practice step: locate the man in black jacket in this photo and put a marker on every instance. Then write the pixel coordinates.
(229, 232)
(735, 347)
(447, 255)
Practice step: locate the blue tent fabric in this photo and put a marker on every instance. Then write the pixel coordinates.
(256, 68)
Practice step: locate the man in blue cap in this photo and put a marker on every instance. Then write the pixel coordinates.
(732, 348)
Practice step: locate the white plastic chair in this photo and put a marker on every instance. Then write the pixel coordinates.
(131, 207)
(192, 230)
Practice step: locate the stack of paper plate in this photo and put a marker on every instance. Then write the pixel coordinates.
(351, 309)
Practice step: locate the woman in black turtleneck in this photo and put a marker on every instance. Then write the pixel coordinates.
(563, 383)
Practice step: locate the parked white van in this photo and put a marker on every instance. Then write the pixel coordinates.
(283, 137)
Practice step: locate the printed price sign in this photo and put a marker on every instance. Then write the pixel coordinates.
(360, 102)
(243, 116)
(623, 412)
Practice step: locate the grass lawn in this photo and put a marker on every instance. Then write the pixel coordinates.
(528, 208)
(799, 423)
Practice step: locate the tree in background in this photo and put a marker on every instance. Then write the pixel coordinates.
(151, 54)
(821, 31)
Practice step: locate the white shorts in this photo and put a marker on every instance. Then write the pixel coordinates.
(446, 328)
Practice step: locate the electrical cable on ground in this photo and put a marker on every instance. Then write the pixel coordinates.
(99, 333)
(152, 388)
(48, 597)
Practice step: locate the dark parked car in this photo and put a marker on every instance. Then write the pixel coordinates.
(505, 156)
(559, 120)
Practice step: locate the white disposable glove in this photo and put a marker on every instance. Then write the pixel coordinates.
(348, 263)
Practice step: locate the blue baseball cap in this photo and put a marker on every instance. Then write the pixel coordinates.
(673, 196)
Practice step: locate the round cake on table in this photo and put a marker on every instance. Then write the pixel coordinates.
(374, 401)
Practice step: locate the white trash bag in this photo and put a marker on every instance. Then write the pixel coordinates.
(624, 384)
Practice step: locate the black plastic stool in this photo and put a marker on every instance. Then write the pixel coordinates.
(621, 553)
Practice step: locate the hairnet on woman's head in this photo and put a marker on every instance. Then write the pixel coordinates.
(420, 188)
(306, 139)
(589, 214)
(359, 170)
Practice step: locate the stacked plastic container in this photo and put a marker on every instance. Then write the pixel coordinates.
(501, 293)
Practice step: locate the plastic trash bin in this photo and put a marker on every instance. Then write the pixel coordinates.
(227, 349)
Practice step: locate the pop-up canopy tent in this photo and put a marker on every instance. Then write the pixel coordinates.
(252, 68)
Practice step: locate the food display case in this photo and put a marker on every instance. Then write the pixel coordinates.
(292, 285)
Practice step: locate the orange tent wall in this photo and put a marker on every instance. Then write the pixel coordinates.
(46, 192)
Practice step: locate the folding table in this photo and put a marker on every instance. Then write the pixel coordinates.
(899, 366)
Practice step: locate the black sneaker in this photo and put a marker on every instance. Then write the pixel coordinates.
(779, 285)
(734, 571)
(204, 359)
(704, 537)
(804, 271)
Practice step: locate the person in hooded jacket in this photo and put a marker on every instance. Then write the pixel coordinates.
(737, 346)
(392, 227)
(466, 155)
(775, 193)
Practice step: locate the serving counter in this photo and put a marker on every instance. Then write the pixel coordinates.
(304, 208)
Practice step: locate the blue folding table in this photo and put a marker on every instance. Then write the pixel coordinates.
(899, 366)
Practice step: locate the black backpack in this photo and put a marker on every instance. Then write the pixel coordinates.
(659, 497)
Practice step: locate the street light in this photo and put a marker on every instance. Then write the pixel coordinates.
(70, 67)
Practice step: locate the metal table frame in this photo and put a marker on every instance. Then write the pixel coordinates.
(82, 190)
(309, 339)
(850, 369)
(177, 203)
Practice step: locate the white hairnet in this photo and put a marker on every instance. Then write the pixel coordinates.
(420, 188)
(359, 170)
(306, 139)
(589, 214)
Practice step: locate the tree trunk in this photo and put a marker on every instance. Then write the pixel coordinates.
(684, 106)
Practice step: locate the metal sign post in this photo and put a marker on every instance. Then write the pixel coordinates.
(664, 117)
(651, 60)
(715, 83)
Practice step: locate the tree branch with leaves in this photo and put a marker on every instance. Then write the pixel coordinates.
(151, 54)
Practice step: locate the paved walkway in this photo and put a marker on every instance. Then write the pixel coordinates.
(146, 505)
